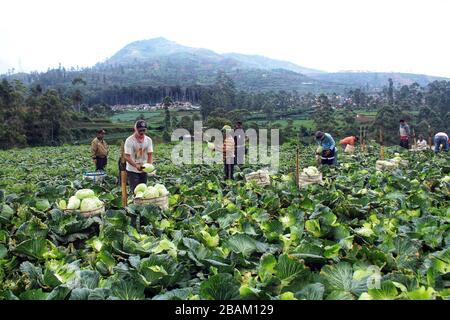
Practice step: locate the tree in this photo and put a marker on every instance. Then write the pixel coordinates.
(77, 96)
(390, 92)
(167, 103)
(387, 119)
(323, 115)
(225, 91)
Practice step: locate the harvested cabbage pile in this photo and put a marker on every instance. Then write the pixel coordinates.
(311, 171)
(83, 200)
(149, 192)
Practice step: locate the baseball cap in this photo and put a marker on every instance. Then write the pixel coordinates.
(101, 131)
(140, 124)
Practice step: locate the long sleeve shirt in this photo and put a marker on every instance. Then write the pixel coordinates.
(327, 143)
(228, 147)
(99, 148)
(404, 130)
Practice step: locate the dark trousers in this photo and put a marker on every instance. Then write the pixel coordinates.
(228, 168)
(404, 143)
(329, 159)
(136, 178)
(100, 163)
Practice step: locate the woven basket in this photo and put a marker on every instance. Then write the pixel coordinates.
(162, 202)
(259, 178)
(87, 213)
(304, 179)
(400, 163)
(382, 167)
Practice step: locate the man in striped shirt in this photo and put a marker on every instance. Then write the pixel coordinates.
(228, 150)
(404, 134)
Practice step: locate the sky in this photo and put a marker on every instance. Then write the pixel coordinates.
(329, 35)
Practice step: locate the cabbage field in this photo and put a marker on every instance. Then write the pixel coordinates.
(362, 235)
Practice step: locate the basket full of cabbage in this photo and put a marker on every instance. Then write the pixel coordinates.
(157, 195)
(309, 175)
(84, 201)
(391, 164)
(260, 177)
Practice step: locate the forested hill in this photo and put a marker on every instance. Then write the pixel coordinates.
(160, 63)
(375, 80)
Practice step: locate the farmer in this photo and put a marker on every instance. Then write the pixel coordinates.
(348, 141)
(422, 143)
(138, 150)
(441, 138)
(228, 148)
(239, 144)
(329, 153)
(99, 151)
(404, 134)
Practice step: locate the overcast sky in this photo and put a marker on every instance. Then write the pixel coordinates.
(330, 35)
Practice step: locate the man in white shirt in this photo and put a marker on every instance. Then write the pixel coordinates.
(138, 150)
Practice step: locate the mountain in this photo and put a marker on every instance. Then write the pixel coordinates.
(260, 62)
(149, 51)
(160, 62)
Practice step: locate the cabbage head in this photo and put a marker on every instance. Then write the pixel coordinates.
(142, 187)
(74, 203)
(148, 167)
(89, 204)
(42, 205)
(162, 191)
(311, 171)
(151, 192)
(84, 193)
(62, 204)
(139, 195)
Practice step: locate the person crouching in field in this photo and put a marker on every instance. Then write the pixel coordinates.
(228, 152)
(348, 141)
(441, 139)
(329, 152)
(138, 150)
(422, 143)
(99, 151)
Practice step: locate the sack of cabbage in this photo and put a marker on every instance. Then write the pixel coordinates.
(391, 164)
(260, 177)
(309, 175)
(157, 195)
(84, 201)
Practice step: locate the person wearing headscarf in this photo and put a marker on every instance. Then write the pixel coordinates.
(138, 151)
(422, 143)
(328, 154)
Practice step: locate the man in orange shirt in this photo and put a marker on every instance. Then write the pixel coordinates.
(348, 141)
